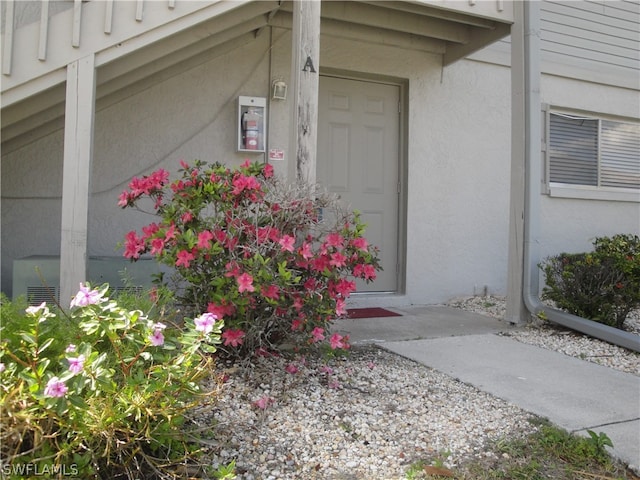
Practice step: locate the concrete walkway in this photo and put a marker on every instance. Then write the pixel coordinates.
(574, 394)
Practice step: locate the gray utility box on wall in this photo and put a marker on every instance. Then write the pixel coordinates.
(38, 277)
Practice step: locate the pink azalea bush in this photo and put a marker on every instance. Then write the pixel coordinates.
(253, 251)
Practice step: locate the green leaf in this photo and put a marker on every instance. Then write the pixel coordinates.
(45, 345)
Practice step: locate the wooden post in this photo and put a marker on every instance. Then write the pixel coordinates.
(305, 65)
(76, 179)
(515, 307)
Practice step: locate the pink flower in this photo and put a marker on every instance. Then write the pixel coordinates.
(271, 292)
(245, 283)
(334, 240)
(149, 230)
(2, 367)
(157, 338)
(341, 307)
(55, 388)
(204, 239)
(364, 271)
(184, 258)
(70, 348)
(263, 402)
(360, 243)
(133, 245)
(286, 243)
(305, 251)
(232, 337)
(232, 269)
(157, 244)
(186, 217)
(204, 323)
(326, 370)
(317, 334)
(338, 260)
(336, 341)
(86, 297)
(123, 199)
(267, 170)
(170, 234)
(76, 365)
(291, 368)
(345, 287)
(243, 182)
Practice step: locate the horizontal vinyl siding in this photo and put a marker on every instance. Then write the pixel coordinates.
(605, 33)
(596, 41)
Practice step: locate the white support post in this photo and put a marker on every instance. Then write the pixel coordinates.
(305, 72)
(76, 180)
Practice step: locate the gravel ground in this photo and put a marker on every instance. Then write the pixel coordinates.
(374, 414)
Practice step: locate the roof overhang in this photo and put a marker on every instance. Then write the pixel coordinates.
(453, 29)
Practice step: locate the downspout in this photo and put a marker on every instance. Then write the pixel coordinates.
(533, 170)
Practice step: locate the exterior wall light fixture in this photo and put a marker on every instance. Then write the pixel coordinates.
(279, 90)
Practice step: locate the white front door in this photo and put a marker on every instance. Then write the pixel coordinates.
(359, 160)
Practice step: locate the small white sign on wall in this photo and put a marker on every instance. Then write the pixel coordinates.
(276, 154)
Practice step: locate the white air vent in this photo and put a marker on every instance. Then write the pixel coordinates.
(38, 277)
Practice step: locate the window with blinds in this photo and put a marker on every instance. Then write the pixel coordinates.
(593, 152)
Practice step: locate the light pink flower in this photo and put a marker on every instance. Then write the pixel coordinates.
(341, 307)
(157, 338)
(86, 297)
(204, 323)
(55, 388)
(70, 348)
(76, 365)
(33, 311)
(2, 367)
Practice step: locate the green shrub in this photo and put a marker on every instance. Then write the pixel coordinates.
(100, 392)
(250, 249)
(603, 285)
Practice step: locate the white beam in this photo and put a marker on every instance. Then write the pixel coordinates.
(305, 72)
(76, 180)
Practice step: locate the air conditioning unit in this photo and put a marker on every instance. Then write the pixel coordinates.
(38, 277)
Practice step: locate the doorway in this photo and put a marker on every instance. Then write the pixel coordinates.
(359, 160)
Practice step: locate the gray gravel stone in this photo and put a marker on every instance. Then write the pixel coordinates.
(374, 414)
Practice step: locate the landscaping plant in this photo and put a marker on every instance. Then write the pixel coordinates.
(276, 261)
(603, 285)
(101, 391)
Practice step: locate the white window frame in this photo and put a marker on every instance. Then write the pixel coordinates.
(579, 191)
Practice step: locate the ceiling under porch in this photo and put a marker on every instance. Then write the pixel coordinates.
(33, 106)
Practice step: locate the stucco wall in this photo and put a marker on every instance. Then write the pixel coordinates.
(457, 165)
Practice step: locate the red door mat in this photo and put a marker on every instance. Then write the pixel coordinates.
(375, 312)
